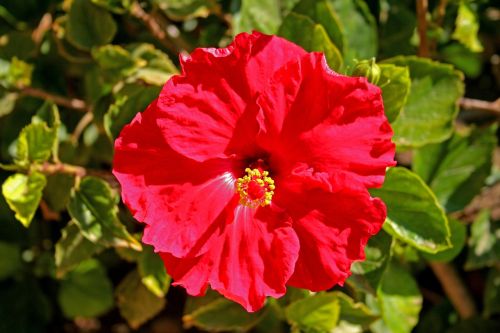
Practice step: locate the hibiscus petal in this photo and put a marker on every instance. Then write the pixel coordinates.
(331, 122)
(254, 258)
(179, 199)
(333, 229)
(202, 107)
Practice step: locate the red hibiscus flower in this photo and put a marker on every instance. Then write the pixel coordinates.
(251, 170)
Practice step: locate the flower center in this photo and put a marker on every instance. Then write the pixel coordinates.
(256, 188)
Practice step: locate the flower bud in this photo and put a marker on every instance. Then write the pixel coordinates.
(368, 69)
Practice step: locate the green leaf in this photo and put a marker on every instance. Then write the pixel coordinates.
(261, 15)
(194, 302)
(185, 9)
(35, 144)
(414, 215)
(367, 273)
(93, 208)
(89, 25)
(484, 242)
(39, 140)
(48, 114)
(115, 6)
(356, 314)
(303, 31)
(136, 303)
(395, 84)
(463, 59)
(23, 194)
(58, 190)
(73, 248)
(86, 291)
(399, 299)
(115, 61)
(153, 273)
(158, 67)
(458, 236)
(432, 105)
(130, 100)
(359, 27)
(17, 44)
(10, 260)
(15, 74)
(318, 313)
(222, 315)
(272, 320)
(492, 293)
(457, 169)
(321, 12)
(466, 28)
(7, 102)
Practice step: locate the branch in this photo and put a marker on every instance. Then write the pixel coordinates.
(455, 289)
(75, 170)
(479, 105)
(154, 27)
(440, 12)
(423, 47)
(85, 121)
(42, 28)
(55, 168)
(70, 103)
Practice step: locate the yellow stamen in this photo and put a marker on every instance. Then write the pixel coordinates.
(256, 188)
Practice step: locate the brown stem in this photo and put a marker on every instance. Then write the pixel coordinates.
(81, 126)
(77, 171)
(47, 213)
(55, 168)
(455, 289)
(423, 47)
(71, 103)
(440, 12)
(154, 27)
(479, 105)
(42, 28)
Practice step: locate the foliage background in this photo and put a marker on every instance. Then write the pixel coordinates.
(73, 72)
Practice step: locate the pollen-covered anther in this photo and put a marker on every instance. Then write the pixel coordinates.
(256, 188)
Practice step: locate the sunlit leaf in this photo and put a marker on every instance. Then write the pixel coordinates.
(318, 313)
(93, 207)
(153, 273)
(73, 248)
(399, 299)
(220, 314)
(262, 15)
(457, 169)
(302, 30)
(23, 194)
(466, 28)
(395, 83)
(432, 105)
(413, 213)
